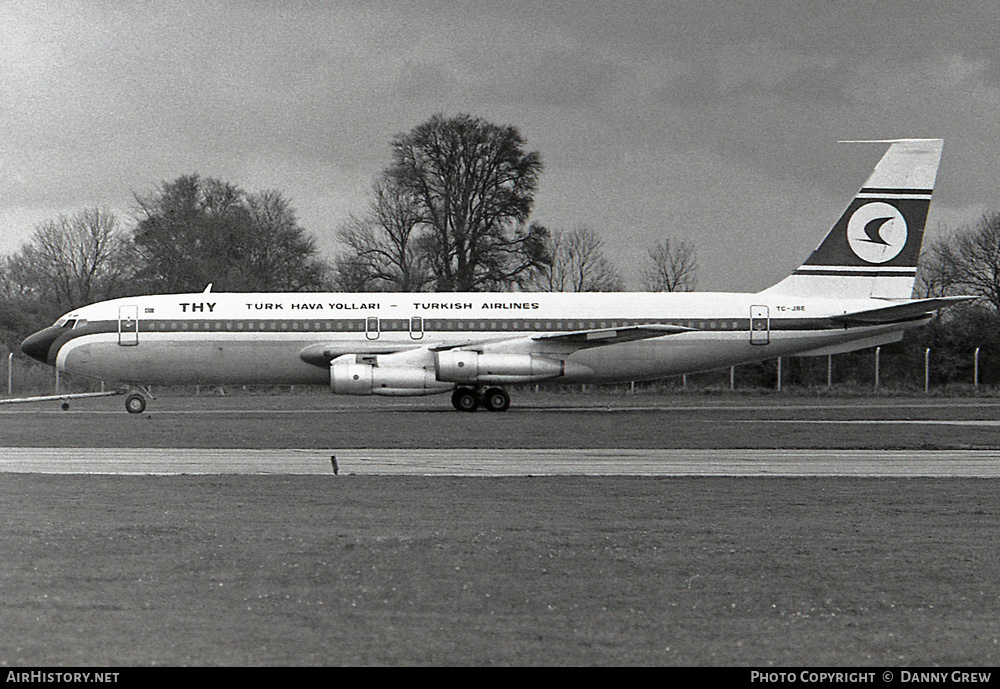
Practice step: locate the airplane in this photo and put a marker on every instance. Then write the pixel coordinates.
(854, 291)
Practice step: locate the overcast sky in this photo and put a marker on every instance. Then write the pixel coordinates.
(714, 122)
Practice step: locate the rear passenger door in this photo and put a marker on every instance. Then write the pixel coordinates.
(760, 325)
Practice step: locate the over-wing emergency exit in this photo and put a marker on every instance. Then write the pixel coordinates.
(853, 291)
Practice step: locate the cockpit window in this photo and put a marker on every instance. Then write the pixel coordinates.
(80, 323)
(70, 323)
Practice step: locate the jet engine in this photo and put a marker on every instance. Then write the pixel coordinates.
(351, 375)
(462, 366)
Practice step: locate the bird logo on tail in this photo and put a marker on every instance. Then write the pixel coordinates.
(876, 232)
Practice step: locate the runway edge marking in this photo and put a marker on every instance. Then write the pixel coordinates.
(984, 463)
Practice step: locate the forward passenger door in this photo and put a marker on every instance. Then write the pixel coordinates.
(128, 325)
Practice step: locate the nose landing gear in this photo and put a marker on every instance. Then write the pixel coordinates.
(135, 403)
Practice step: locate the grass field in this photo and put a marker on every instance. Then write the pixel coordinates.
(351, 570)
(301, 571)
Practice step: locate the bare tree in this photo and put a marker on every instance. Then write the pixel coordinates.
(936, 270)
(671, 266)
(194, 231)
(472, 185)
(19, 279)
(578, 264)
(969, 260)
(72, 260)
(383, 247)
(351, 275)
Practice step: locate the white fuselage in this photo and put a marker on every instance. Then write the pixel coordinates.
(236, 338)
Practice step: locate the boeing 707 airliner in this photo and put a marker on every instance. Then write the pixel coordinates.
(853, 291)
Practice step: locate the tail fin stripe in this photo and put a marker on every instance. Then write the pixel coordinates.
(864, 269)
(856, 272)
(904, 270)
(901, 192)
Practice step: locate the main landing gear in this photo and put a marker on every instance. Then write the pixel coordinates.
(470, 399)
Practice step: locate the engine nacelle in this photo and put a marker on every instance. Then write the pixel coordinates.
(348, 376)
(461, 366)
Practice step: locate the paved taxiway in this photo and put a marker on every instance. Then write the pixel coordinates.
(509, 462)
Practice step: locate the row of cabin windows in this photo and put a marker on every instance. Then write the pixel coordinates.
(416, 325)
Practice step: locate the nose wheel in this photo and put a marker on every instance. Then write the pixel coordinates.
(470, 399)
(135, 403)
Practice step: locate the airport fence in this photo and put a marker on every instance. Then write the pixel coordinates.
(895, 369)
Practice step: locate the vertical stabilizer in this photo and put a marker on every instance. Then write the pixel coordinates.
(872, 251)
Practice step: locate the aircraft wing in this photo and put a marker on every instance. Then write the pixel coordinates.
(898, 312)
(606, 336)
(580, 339)
(322, 354)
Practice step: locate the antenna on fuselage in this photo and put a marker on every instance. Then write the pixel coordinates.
(208, 289)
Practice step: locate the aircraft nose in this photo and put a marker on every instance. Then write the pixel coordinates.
(37, 346)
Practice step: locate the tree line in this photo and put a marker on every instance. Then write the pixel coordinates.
(451, 212)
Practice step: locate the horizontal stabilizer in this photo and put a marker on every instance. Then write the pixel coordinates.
(898, 312)
(853, 345)
(607, 336)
